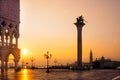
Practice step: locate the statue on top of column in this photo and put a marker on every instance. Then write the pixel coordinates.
(80, 19)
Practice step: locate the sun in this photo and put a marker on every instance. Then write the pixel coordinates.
(25, 51)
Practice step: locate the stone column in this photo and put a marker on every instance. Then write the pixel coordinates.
(17, 36)
(16, 42)
(6, 35)
(79, 47)
(2, 66)
(16, 65)
(2, 38)
(11, 37)
(6, 65)
(79, 24)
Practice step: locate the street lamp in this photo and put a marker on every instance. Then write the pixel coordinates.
(32, 60)
(55, 61)
(47, 56)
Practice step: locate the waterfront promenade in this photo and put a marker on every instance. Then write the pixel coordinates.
(40, 74)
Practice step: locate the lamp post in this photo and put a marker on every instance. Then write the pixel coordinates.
(32, 64)
(47, 56)
(55, 61)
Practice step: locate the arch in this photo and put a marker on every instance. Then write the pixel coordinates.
(11, 61)
(8, 55)
(15, 53)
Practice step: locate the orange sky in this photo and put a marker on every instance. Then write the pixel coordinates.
(48, 25)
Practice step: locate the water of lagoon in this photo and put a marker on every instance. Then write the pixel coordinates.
(40, 74)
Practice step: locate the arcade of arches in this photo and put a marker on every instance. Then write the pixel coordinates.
(9, 34)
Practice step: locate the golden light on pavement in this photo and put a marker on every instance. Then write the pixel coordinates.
(25, 75)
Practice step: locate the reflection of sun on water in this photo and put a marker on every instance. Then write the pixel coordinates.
(25, 74)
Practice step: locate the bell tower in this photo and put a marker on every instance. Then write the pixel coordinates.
(9, 32)
(79, 24)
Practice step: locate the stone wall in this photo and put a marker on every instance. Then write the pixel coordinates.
(9, 9)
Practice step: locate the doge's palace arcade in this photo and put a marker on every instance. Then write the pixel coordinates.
(9, 32)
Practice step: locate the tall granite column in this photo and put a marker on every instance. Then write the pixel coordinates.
(79, 24)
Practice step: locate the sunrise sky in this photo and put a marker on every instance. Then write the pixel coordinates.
(48, 25)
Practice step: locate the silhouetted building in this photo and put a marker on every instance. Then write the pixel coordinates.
(91, 57)
(103, 63)
(9, 32)
(79, 24)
